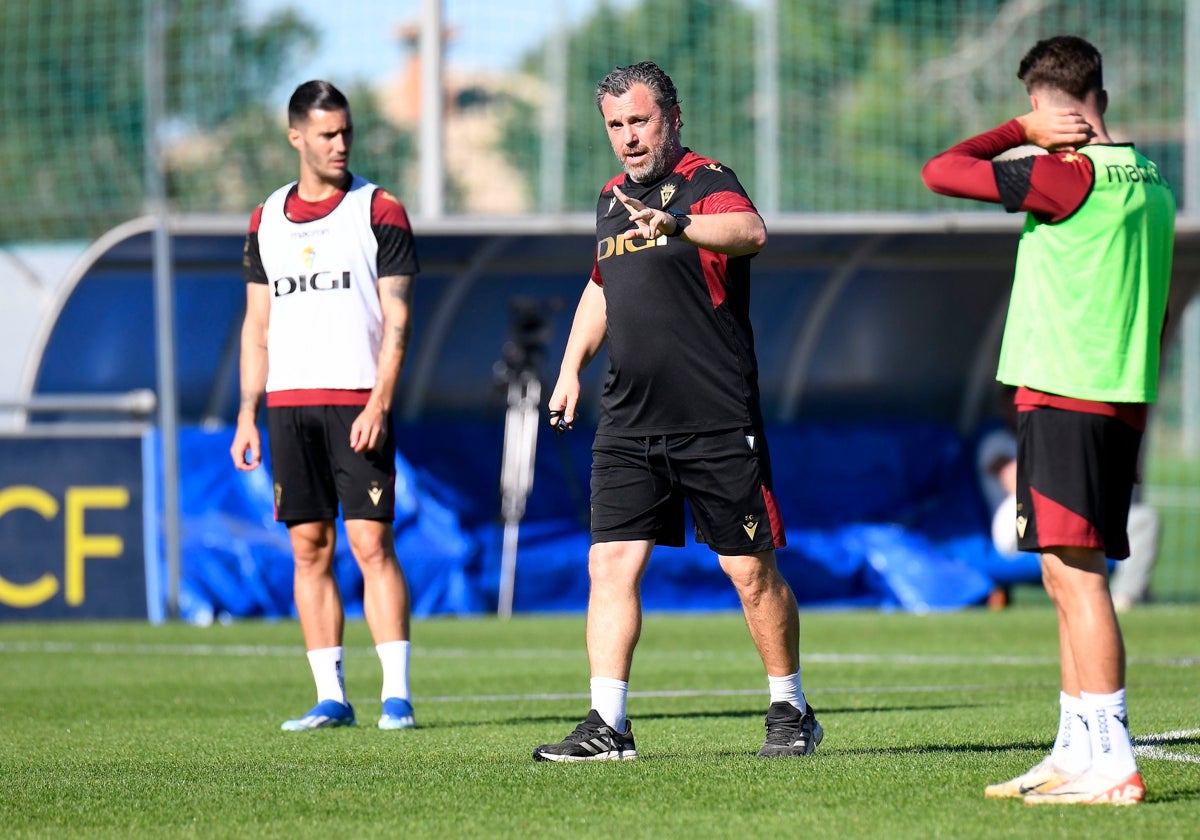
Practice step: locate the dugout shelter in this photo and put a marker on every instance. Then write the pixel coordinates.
(877, 338)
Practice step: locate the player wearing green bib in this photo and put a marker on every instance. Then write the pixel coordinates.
(1081, 343)
(1090, 291)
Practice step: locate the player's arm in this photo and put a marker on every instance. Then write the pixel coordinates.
(1050, 186)
(369, 429)
(735, 233)
(397, 265)
(588, 331)
(247, 443)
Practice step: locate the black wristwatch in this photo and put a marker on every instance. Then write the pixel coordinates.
(682, 220)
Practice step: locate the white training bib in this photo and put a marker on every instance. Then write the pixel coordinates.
(326, 323)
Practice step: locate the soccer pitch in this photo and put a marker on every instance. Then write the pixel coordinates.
(123, 730)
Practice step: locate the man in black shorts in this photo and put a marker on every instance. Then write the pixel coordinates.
(329, 264)
(680, 419)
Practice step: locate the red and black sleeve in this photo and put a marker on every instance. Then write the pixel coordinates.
(397, 247)
(252, 267)
(1051, 186)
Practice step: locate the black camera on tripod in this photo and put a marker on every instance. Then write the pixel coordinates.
(531, 322)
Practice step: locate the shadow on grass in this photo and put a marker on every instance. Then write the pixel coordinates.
(1190, 738)
(1016, 746)
(728, 714)
(1154, 796)
(910, 750)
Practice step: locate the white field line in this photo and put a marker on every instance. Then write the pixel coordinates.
(1163, 755)
(718, 692)
(1145, 746)
(1168, 737)
(142, 649)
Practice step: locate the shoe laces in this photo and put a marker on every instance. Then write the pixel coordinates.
(588, 730)
(782, 730)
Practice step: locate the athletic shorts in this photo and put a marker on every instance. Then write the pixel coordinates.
(1075, 477)
(639, 485)
(314, 467)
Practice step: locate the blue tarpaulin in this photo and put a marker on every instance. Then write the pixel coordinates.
(878, 515)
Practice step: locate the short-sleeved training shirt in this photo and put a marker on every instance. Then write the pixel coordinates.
(680, 342)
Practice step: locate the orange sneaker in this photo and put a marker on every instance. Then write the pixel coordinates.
(1043, 776)
(1093, 788)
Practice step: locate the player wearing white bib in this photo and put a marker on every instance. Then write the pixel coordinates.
(320, 275)
(329, 264)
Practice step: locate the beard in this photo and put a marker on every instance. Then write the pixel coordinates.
(658, 162)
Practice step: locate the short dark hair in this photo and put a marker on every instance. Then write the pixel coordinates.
(621, 79)
(1065, 63)
(314, 95)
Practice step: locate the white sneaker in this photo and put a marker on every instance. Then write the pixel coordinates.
(1043, 776)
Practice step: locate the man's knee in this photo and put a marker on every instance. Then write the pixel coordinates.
(312, 547)
(1069, 573)
(619, 563)
(371, 544)
(752, 574)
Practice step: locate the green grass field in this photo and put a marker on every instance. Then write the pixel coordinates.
(122, 730)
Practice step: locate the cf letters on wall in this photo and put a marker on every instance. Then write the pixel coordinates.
(72, 528)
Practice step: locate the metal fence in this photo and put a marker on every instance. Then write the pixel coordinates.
(464, 108)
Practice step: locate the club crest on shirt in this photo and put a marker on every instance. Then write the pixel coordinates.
(666, 194)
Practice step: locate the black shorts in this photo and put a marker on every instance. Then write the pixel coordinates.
(1075, 477)
(314, 467)
(639, 485)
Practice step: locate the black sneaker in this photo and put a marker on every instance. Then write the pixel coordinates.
(592, 740)
(791, 733)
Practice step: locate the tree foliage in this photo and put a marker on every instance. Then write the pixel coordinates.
(72, 156)
(867, 89)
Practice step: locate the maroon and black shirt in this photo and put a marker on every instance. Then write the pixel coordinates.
(680, 343)
(389, 223)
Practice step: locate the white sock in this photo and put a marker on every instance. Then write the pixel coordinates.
(1108, 725)
(326, 664)
(608, 699)
(1072, 750)
(787, 690)
(393, 656)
